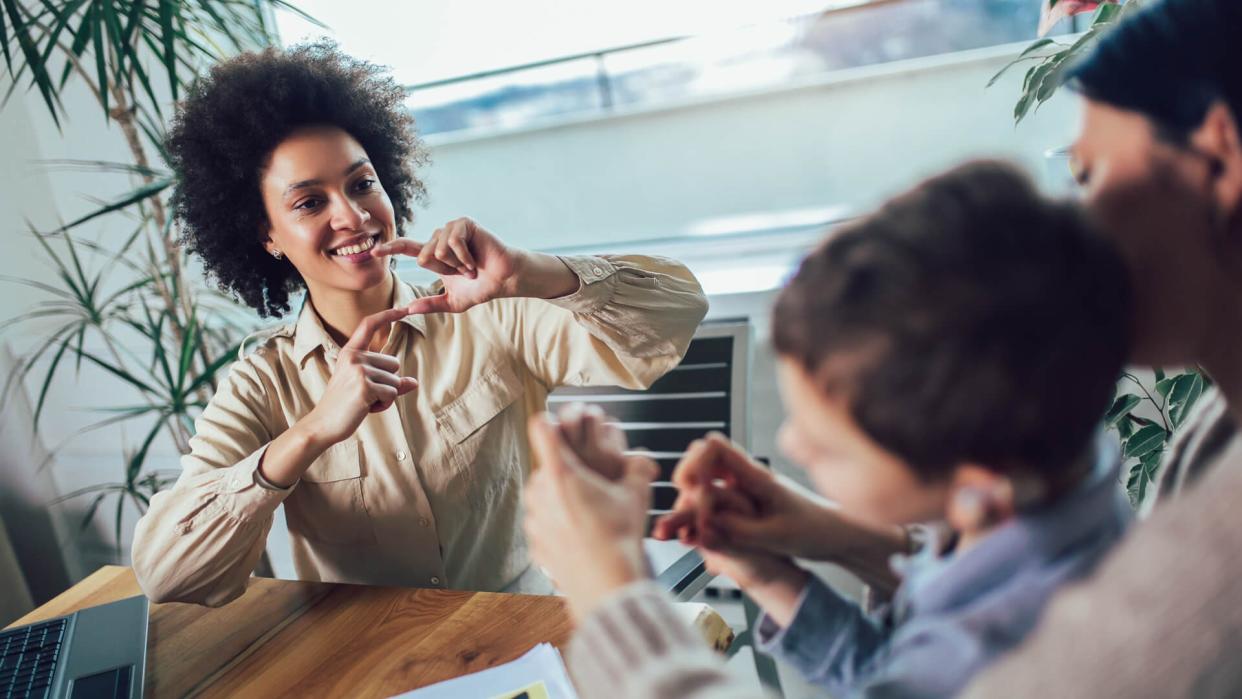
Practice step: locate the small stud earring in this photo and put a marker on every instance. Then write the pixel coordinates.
(277, 254)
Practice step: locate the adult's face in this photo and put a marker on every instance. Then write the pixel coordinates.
(327, 209)
(1172, 208)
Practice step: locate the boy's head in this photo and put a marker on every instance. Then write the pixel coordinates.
(968, 333)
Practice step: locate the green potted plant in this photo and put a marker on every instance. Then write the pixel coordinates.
(132, 310)
(1147, 411)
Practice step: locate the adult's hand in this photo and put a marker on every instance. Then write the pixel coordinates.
(362, 382)
(583, 528)
(476, 267)
(599, 444)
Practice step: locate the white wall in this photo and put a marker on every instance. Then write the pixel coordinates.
(850, 139)
(30, 190)
(27, 194)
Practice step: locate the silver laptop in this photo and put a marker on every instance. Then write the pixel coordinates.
(95, 653)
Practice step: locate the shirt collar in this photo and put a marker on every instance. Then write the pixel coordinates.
(1096, 509)
(310, 333)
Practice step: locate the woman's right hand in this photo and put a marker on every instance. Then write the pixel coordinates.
(362, 382)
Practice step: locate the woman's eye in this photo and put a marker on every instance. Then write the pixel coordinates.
(307, 204)
(366, 185)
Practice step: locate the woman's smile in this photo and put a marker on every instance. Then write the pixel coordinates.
(356, 250)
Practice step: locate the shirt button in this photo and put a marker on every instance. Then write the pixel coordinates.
(598, 272)
(400, 455)
(435, 581)
(424, 522)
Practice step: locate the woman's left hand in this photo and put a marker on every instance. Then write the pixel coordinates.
(476, 267)
(583, 528)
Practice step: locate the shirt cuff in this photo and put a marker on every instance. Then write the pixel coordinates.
(265, 483)
(244, 496)
(597, 283)
(818, 615)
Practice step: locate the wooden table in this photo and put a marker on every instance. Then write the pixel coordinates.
(285, 638)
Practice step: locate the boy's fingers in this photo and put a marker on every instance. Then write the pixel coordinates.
(667, 526)
(732, 500)
(742, 530)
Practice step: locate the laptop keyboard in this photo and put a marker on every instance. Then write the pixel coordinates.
(28, 659)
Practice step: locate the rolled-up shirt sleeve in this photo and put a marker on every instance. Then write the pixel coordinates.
(630, 322)
(200, 540)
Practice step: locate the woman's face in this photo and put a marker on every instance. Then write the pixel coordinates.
(1157, 201)
(846, 466)
(326, 209)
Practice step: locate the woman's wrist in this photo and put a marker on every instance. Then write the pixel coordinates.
(290, 454)
(542, 276)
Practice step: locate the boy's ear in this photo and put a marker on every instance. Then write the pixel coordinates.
(1218, 138)
(979, 498)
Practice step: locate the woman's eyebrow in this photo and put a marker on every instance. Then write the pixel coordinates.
(315, 182)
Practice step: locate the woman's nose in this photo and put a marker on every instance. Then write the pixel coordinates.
(348, 215)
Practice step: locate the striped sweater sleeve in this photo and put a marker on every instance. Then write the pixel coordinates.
(635, 645)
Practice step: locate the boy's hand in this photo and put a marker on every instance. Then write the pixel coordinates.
(781, 518)
(774, 581)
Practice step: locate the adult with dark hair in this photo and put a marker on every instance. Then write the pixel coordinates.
(1160, 157)
(388, 419)
(922, 353)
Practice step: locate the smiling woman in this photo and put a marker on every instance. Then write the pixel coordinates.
(389, 420)
(227, 133)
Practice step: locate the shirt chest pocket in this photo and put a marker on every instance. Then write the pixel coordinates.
(476, 428)
(328, 505)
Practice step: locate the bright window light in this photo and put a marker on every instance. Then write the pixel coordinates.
(437, 39)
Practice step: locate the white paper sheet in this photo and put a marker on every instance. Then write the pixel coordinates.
(540, 674)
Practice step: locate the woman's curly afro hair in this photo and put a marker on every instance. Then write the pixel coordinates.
(235, 117)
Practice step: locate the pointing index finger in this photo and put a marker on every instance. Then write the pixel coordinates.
(371, 324)
(398, 246)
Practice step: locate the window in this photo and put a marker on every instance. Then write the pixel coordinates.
(759, 56)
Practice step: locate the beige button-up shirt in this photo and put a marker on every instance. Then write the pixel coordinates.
(426, 493)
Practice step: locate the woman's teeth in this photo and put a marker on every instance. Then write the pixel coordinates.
(355, 249)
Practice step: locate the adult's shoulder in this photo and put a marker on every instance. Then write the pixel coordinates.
(1209, 430)
(264, 352)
